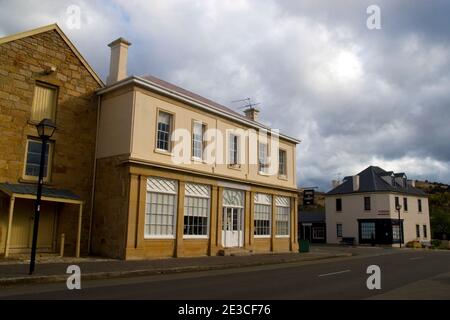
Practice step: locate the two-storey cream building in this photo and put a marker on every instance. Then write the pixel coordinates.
(379, 207)
(153, 200)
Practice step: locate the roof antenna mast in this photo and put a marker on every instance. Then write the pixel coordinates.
(247, 103)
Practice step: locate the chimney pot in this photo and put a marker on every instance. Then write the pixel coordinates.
(119, 60)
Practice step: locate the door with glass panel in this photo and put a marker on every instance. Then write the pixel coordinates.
(232, 231)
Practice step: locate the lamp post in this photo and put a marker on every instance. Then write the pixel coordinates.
(45, 130)
(399, 207)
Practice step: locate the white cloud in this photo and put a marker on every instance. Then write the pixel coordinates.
(354, 97)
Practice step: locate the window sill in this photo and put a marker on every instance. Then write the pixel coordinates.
(194, 237)
(283, 237)
(159, 237)
(35, 181)
(235, 167)
(264, 174)
(198, 160)
(164, 152)
(262, 237)
(283, 177)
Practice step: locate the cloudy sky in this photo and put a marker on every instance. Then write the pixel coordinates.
(354, 96)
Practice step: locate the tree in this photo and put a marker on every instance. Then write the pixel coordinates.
(440, 214)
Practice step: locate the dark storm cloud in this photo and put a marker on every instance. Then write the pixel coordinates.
(354, 96)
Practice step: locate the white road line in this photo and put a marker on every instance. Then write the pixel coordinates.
(333, 273)
(416, 258)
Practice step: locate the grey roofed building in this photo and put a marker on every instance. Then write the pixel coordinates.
(375, 179)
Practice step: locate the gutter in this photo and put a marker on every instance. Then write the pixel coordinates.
(91, 218)
(176, 95)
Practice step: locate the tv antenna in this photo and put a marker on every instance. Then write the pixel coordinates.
(247, 103)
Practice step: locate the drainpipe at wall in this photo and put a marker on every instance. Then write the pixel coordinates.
(94, 175)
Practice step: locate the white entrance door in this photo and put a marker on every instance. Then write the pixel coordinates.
(232, 227)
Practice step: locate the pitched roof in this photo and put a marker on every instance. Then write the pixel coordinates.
(370, 180)
(32, 188)
(167, 88)
(172, 87)
(56, 28)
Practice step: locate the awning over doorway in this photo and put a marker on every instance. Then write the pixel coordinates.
(28, 191)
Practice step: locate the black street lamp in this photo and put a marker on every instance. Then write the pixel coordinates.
(45, 130)
(400, 233)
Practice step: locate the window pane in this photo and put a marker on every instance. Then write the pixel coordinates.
(160, 214)
(196, 214)
(34, 158)
(262, 222)
(44, 103)
(282, 162)
(163, 135)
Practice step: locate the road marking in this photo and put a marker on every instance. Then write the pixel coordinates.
(333, 273)
(416, 258)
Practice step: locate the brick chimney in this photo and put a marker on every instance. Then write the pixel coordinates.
(251, 113)
(119, 59)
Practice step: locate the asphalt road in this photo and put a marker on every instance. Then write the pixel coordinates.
(404, 275)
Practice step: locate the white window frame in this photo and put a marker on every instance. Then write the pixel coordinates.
(169, 133)
(282, 164)
(263, 200)
(194, 141)
(49, 161)
(175, 214)
(263, 167)
(363, 233)
(278, 205)
(234, 144)
(198, 196)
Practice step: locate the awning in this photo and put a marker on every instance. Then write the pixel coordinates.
(28, 191)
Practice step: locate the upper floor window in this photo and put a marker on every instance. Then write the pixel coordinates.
(339, 204)
(233, 157)
(397, 202)
(417, 231)
(262, 157)
(282, 162)
(405, 204)
(164, 131)
(198, 132)
(419, 204)
(33, 159)
(367, 203)
(44, 102)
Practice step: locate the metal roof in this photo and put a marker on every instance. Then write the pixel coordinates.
(31, 189)
(370, 180)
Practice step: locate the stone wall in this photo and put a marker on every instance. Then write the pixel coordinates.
(22, 63)
(109, 229)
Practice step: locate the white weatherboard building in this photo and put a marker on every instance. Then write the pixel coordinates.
(365, 208)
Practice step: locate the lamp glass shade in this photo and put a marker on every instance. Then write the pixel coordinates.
(46, 128)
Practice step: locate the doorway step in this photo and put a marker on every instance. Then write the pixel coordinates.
(235, 252)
